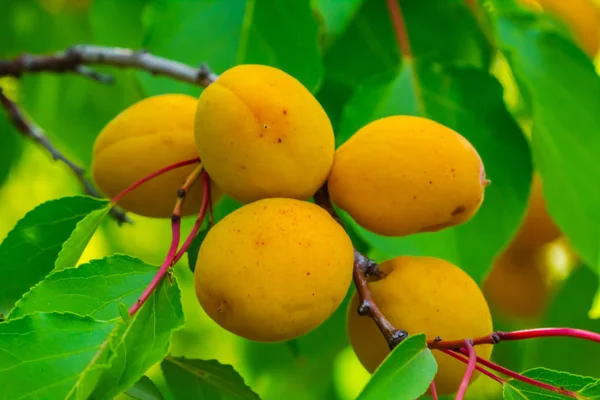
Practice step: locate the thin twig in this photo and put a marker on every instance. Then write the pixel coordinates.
(433, 389)
(479, 368)
(399, 28)
(32, 131)
(74, 60)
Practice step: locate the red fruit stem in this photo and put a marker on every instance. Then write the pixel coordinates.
(164, 268)
(205, 207)
(145, 179)
(471, 364)
(499, 336)
(522, 378)
(172, 254)
(433, 390)
(484, 371)
(399, 27)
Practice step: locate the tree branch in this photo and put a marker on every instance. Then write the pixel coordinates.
(76, 58)
(31, 130)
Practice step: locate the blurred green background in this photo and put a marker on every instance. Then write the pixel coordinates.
(345, 52)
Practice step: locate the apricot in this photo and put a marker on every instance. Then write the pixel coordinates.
(579, 16)
(274, 269)
(401, 175)
(261, 133)
(151, 134)
(537, 228)
(518, 285)
(423, 295)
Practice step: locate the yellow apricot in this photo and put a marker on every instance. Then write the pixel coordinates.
(403, 174)
(260, 133)
(423, 295)
(517, 285)
(274, 269)
(151, 134)
(537, 227)
(580, 17)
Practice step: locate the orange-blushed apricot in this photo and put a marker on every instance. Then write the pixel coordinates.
(403, 174)
(274, 269)
(260, 133)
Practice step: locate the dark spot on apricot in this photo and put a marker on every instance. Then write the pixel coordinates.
(458, 210)
(261, 135)
(266, 126)
(414, 197)
(308, 274)
(278, 140)
(430, 182)
(284, 112)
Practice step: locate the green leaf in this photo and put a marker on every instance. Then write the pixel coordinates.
(94, 289)
(143, 341)
(52, 356)
(204, 379)
(194, 248)
(337, 14)
(118, 23)
(224, 34)
(74, 247)
(562, 89)
(585, 387)
(29, 251)
(470, 102)
(569, 308)
(405, 374)
(144, 389)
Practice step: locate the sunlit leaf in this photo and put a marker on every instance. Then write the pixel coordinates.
(74, 247)
(585, 387)
(562, 89)
(405, 374)
(204, 379)
(29, 251)
(93, 289)
(143, 341)
(52, 356)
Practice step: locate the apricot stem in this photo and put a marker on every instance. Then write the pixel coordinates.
(206, 206)
(520, 377)
(400, 28)
(484, 371)
(471, 364)
(499, 336)
(145, 179)
(433, 390)
(173, 255)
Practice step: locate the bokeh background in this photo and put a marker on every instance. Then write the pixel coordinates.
(73, 110)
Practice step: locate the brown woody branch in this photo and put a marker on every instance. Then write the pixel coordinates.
(32, 131)
(363, 268)
(77, 59)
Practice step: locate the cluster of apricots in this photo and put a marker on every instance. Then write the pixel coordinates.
(280, 265)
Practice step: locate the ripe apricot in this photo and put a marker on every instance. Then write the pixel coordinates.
(579, 16)
(401, 175)
(261, 133)
(537, 228)
(517, 285)
(423, 295)
(274, 269)
(151, 134)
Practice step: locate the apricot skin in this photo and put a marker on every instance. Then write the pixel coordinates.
(537, 228)
(402, 175)
(274, 269)
(151, 134)
(517, 285)
(261, 133)
(423, 295)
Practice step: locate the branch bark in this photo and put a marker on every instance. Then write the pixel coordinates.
(77, 59)
(32, 131)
